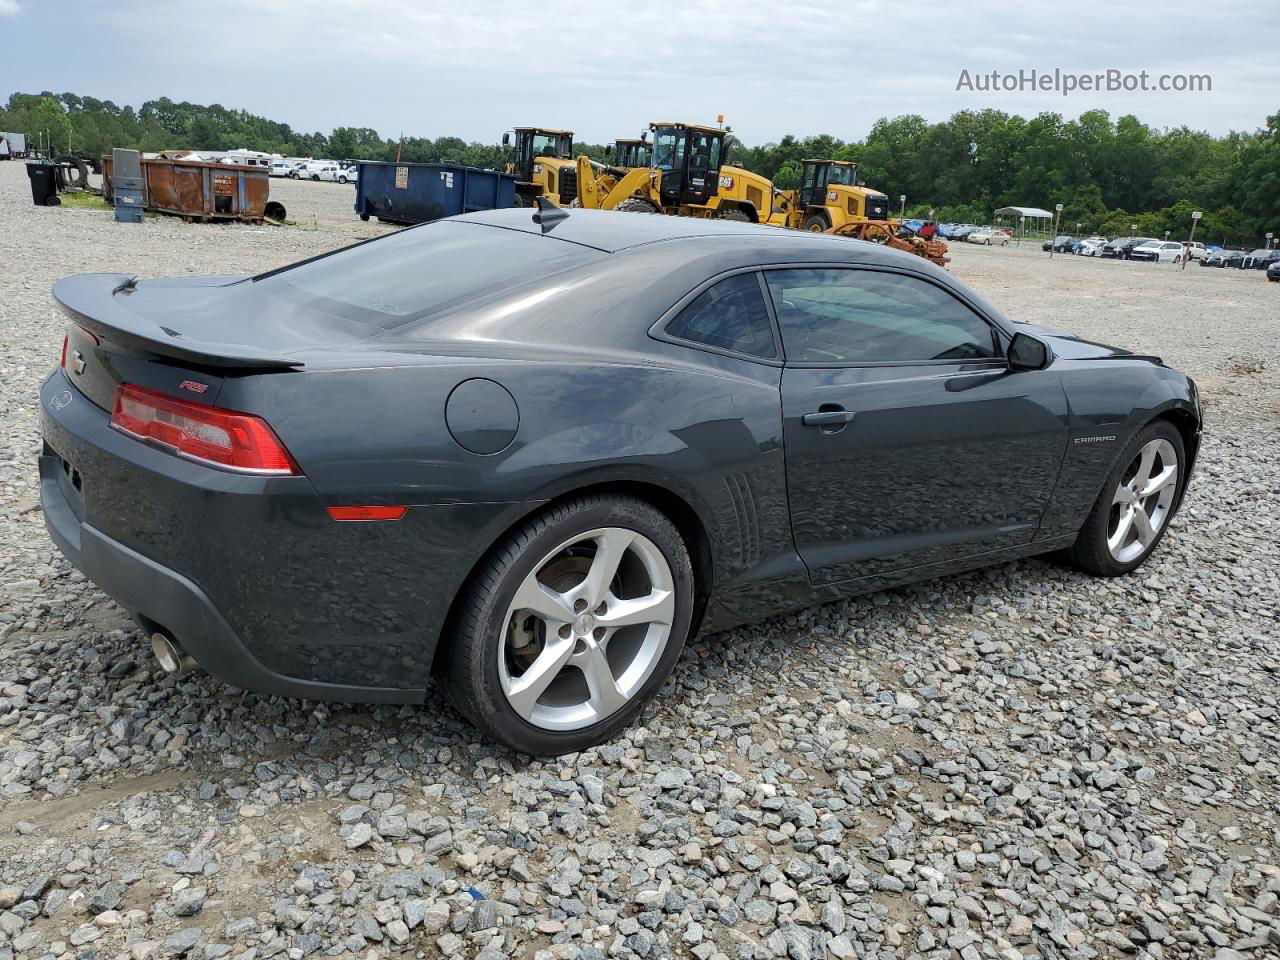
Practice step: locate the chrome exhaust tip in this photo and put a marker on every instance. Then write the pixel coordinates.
(169, 655)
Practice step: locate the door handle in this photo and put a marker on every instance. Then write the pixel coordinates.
(827, 418)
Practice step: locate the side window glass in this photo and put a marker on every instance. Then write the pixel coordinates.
(730, 315)
(866, 316)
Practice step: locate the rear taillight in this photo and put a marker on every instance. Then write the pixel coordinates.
(233, 441)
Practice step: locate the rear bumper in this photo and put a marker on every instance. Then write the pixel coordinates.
(165, 597)
(250, 574)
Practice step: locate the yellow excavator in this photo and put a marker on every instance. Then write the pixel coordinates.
(687, 174)
(543, 166)
(830, 196)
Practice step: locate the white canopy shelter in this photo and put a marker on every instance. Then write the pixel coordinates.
(1029, 212)
(1028, 220)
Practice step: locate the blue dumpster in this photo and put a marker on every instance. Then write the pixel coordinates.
(417, 192)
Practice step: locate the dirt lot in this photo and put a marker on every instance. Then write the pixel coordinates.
(1017, 762)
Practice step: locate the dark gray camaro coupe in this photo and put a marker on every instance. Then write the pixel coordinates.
(533, 456)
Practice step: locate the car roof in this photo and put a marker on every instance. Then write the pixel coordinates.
(613, 232)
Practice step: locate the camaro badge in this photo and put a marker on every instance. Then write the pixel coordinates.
(1106, 439)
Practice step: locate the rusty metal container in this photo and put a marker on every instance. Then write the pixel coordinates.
(200, 190)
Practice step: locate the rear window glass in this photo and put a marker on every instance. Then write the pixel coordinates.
(426, 270)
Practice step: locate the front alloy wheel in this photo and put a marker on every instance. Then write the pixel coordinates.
(1138, 499)
(1143, 500)
(571, 625)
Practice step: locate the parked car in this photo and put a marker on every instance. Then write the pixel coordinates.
(1090, 246)
(463, 472)
(960, 231)
(1123, 248)
(1158, 251)
(1259, 259)
(1195, 250)
(280, 168)
(310, 169)
(990, 236)
(1223, 258)
(349, 174)
(1273, 270)
(1112, 249)
(1059, 244)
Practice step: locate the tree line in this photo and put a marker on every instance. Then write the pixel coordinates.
(1108, 173)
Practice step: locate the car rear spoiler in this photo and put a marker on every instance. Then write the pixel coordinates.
(93, 301)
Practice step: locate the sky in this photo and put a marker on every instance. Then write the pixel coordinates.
(605, 70)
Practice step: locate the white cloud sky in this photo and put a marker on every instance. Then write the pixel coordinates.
(10, 8)
(475, 69)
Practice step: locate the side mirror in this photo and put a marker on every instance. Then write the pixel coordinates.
(506, 139)
(1028, 353)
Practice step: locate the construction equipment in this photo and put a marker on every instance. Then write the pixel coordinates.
(630, 153)
(831, 196)
(890, 233)
(543, 166)
(687, 174)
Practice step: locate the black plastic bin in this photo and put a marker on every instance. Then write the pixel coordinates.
(44, 183)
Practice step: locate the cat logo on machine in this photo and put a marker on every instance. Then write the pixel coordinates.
(831, 196)
(726, 183)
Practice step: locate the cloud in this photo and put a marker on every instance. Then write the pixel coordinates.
(473, 70)
(10, 8)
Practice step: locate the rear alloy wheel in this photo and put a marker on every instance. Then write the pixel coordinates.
(572, 626)
(1137, 502)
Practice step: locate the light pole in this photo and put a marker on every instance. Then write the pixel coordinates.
(1186, 250)
(1057, 217)
(902, 206)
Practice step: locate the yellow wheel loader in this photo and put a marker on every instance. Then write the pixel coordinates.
(543, 166)
(687, 175)
(830, 196)
(630, 153)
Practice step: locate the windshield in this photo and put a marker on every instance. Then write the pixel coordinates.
(668, 147)
(424, 271)
(842, 175)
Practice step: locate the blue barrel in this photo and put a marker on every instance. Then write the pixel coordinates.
(418, 192)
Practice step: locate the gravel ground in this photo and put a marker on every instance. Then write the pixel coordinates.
(1020, 762)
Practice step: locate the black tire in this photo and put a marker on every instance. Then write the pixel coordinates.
(817, 223)
(468, 662)
(1090, 553)
(523, 200)
(315, 177)
(734, 214)
(636, 205)
(53, 200)
(343, 178)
